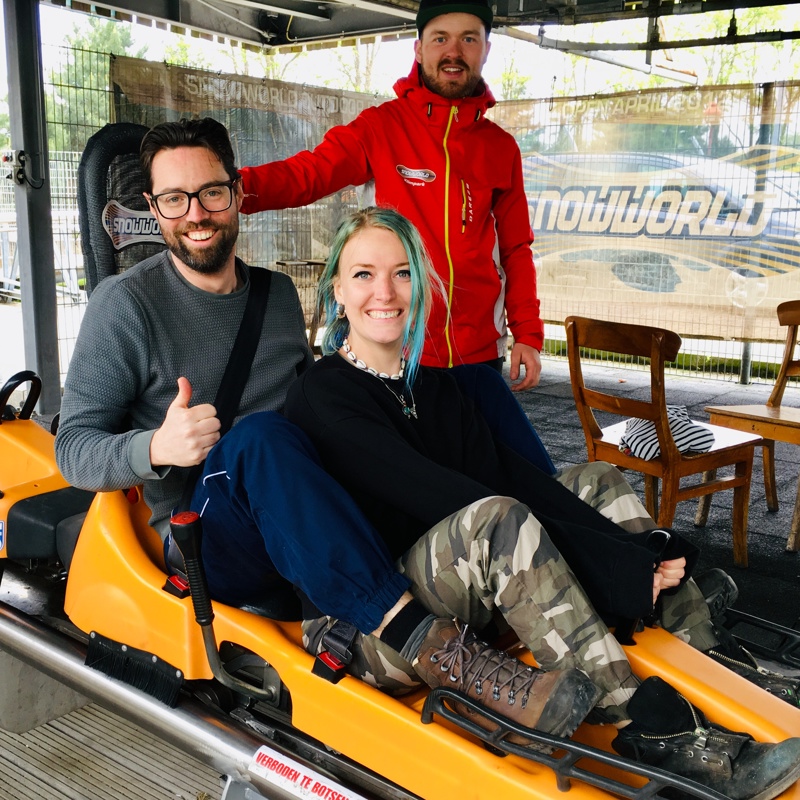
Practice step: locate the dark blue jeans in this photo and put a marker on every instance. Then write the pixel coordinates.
(267, 505)
(504, 415)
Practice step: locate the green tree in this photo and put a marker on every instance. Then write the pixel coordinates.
(513, 84)
(184, 55)
(575, 77)
(733, 63)
(355, 67)
(78, 94)
(585, 75)
(720, 64)
(264, 62)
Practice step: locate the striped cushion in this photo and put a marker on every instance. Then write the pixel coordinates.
(640, 440)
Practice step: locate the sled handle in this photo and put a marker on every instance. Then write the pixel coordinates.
(187, 532)
(624, 630)
(186, 528)
(33, 395)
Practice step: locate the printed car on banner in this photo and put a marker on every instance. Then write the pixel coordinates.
(622, 226)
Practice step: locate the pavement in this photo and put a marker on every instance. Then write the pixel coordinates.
(770, 586)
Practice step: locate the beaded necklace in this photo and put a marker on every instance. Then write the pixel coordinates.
(409, 410)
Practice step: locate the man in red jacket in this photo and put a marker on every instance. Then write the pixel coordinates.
(457, 176)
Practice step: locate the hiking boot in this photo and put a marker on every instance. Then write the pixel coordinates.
(739, 660)
(669, 733)
(552, 702)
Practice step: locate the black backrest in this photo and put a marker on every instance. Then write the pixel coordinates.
(109, 171)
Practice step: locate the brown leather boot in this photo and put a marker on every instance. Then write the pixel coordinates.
(553, 702)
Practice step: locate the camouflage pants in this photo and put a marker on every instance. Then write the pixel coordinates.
(603, 487)
(475, 564)
(495, 556)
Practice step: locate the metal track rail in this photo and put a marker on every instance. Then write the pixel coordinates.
(442, 700)
(191, 727)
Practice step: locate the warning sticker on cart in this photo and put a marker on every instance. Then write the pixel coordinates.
(296, 778)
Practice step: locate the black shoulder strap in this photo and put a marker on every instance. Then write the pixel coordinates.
(237, 370)
(240, 360)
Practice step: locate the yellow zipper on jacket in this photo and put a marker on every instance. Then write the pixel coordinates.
(453, 115)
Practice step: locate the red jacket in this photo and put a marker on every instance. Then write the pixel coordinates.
(458, 177)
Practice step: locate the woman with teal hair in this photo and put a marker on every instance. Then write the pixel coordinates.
(422, 279)
(483, 386)
(482, 534)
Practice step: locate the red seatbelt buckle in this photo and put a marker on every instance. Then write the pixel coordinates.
(177, 586)
(327, 666)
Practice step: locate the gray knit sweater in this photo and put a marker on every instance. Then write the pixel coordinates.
(142, 330)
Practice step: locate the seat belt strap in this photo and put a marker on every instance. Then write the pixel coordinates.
(237, 370)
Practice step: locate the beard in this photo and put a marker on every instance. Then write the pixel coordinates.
(449, 89)
(208, 260)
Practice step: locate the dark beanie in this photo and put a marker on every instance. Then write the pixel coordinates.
(428, 9)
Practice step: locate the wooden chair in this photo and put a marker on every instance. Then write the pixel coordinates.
(773, 421)
(731, 448)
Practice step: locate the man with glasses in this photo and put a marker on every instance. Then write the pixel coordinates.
(155, 340)
(138, 402)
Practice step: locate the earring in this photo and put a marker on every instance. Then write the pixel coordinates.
(340, 311)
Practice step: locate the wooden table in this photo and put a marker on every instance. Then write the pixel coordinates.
(779, 424)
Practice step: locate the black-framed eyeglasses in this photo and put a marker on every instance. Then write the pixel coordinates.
(173, 205)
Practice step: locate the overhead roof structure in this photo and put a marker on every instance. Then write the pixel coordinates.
(290, 24)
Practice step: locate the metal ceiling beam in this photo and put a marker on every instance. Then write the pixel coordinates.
(579, 48)
(312, 11)
(285, 24)
(275, 23)
(398, 11)
(577, 12)
(681, 76)
(179, 16)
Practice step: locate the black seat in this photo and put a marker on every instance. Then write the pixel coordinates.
(109, 173)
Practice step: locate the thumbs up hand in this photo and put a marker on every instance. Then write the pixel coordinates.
(187, 434)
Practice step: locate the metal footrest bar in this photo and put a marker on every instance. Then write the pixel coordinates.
(786, 649)
(440, 701)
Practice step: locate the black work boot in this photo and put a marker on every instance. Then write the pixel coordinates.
(739, 660)
(668, 732)
(553, 702)
(719, 590)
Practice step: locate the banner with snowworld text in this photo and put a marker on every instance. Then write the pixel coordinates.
(670, 207)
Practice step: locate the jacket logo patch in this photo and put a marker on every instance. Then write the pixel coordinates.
(426, 175)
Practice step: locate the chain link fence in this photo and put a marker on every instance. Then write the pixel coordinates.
(594, 279)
